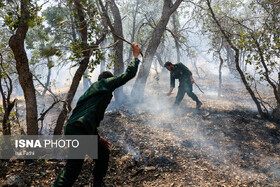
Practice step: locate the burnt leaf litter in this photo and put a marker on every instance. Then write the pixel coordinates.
(225, 143)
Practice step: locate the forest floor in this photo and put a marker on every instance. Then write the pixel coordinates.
(225, 143)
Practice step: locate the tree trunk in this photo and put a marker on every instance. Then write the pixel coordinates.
(6, 122)
(102, 66)
(230, 58)
(161, 63)
(103, 62)
(25, 77)
(220, 67)
(7, 104)
(220, 74)
(47, 85)
(175, 31)
(276, 111)
(139, 86)
(70, 95)
(79, 73)
(133, 28)
(118, 49)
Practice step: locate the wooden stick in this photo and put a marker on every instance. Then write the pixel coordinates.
(101, 47)
(121, 38)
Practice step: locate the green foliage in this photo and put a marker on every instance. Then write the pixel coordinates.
(13, 14)
(1, 4)
(257, 34)
(63, 28)
(34, 19)
(50, 64)
(55, 16)
(113, 60)
(268, 49)
(99, 56)
(76, 48)
(7, 67)
(49, 51)
(36, 36)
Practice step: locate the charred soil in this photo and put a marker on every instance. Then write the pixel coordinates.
(225, 143)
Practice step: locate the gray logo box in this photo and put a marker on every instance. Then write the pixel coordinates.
(48, 147)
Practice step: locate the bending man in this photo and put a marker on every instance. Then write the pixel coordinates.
(181, 72)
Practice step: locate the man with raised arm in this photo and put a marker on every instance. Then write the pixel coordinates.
(86, 117)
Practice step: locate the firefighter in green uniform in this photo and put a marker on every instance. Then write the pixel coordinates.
(86, 117)
(181, 72)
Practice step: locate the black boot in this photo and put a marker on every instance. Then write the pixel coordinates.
(198, 104)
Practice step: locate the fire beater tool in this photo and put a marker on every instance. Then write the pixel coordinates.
(198, 87)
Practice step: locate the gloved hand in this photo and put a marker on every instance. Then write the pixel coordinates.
(106, 142)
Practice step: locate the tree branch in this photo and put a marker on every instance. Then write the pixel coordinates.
(42, 117)
(44, 85)
(175, 6)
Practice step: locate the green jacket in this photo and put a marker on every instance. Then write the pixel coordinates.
(182, 73)
(92, 104)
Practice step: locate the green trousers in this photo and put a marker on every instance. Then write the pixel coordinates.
(181, 93)
(73, 166)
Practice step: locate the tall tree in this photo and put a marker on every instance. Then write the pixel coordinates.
(167, 10)
(118, 48)
(262, 47)
(134, 15)
(175, 33)
(6, 91)
(25, 77)
(83, 27)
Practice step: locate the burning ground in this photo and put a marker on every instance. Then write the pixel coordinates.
(189, 147)
(223, 144)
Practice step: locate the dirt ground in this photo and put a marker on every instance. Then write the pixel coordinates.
(225, 143)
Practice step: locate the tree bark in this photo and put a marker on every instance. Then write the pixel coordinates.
(175, 31)
(6, 123)
(118, 48)
(47, 85)
(25, 77)
(7, 104)
(86, 81)
(220, 67)
(78, 74)
(161, 63)
(220, 74)
(139, 86)
(276, 111)
(133, 28)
